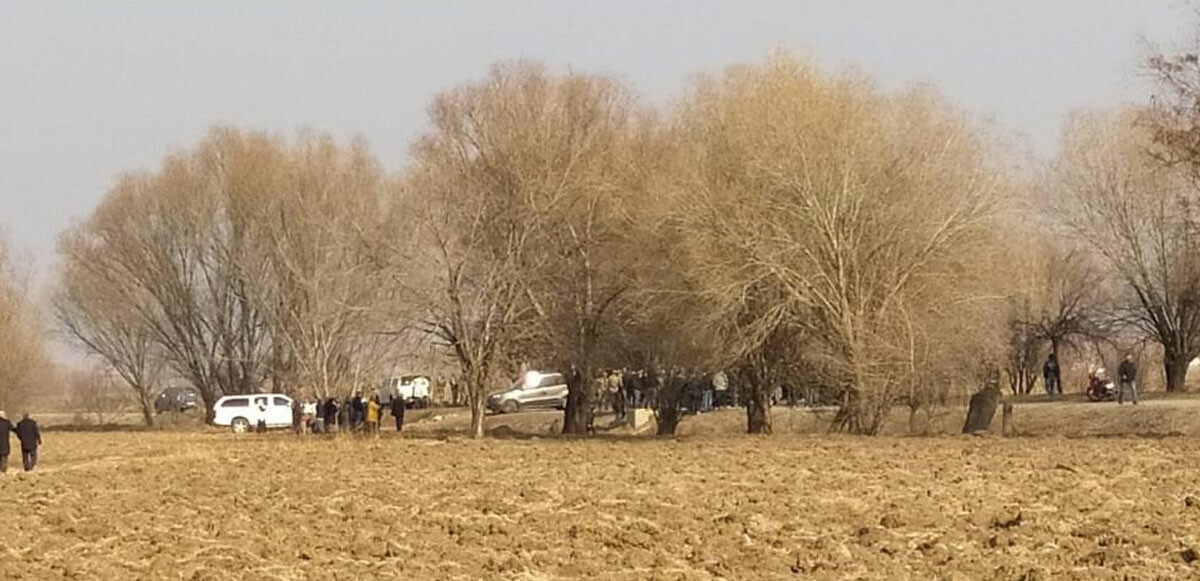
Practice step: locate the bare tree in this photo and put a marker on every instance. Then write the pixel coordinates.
(840, 210)
(171, 254)
(478, 217)
(535, 161)
(106, 325)
(1058, 300)
(327, 295)
(23, 359)
(1140, 217)
(577, 147)
(96, 393)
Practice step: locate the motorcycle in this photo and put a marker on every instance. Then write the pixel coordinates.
(1100, 389)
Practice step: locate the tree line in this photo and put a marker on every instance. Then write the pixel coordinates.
(781, 223)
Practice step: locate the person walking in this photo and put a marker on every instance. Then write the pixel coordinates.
(398, 412)
(1127, 377)
(6, 429)
(30, 437)
(373, 414)
(1052, 374)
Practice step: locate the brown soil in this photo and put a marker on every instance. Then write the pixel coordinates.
(211, 505)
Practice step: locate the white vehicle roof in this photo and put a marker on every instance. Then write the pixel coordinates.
(252, 396)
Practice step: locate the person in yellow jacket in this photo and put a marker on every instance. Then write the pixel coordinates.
(373, 414)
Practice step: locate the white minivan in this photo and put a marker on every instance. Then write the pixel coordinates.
(242, 412)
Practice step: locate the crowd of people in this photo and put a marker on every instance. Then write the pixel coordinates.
(353, 414)
(620, 390)
(28, 435)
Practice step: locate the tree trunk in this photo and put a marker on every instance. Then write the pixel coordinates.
(981, 410)
(1176, 368)
(667, 411)
(578, 412)
(147, 405)
(209, 399)
(847, 416)
(758, 409)
(476, 388)
(478, 411)
(912, 420)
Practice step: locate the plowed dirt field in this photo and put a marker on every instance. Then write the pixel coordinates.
(204, 505)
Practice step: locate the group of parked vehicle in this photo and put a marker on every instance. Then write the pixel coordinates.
(533, 390)
(244, 411)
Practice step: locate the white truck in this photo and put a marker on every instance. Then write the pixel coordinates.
(415, 390)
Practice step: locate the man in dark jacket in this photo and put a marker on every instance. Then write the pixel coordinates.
(30, 437)
(1127, 377)
(358, 412)
(398, 412)
(331, 415)
(1052, 375)
(6, 428)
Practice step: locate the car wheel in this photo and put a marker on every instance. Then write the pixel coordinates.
(240, 425)
(510, 407)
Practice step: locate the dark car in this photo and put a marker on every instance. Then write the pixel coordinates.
(176, 399)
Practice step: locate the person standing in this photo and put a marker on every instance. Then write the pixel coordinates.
(1127, 376)
(373, 414)
(331, 415)
(358, 412)
(311, 417)
(261, 406)
(720, 383)
(707, 391)
(1052, 374)
(6, 428)
(30, 437)
(398, 412)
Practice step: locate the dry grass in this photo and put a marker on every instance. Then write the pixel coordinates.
(209, 505)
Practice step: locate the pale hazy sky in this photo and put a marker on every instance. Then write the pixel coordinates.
(91, 88)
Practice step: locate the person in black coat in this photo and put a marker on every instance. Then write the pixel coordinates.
(398, 412)
(1052, 374)
(6, 428)
(30, 437)
(358, 411)
(331, 414)
(1127, 375)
